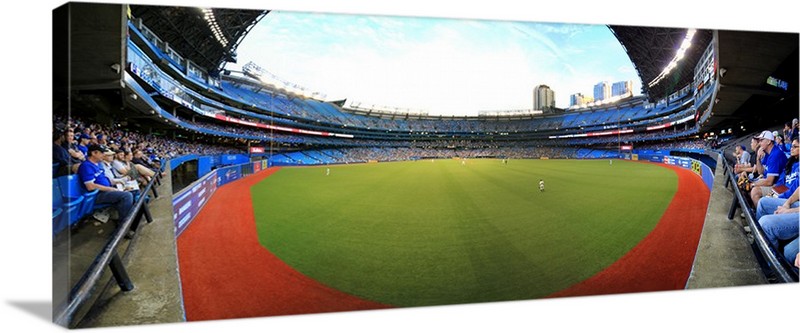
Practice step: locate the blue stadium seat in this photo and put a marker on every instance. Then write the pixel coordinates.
(69, 207)
(72, 189)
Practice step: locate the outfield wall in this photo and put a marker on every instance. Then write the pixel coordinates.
(699, 168)
(187, 203)
(696, 166)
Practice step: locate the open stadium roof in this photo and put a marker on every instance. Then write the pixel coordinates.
(746, 59)
(652, 49)
(207, 37)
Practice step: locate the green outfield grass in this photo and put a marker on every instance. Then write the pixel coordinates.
(427, 233)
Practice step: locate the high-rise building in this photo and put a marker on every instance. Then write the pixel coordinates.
(621, 88)
(575, 99)
(579, 99)
(544, 98)
(602, 91)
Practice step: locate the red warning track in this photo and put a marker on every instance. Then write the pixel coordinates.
(662, 260)
(226, 273)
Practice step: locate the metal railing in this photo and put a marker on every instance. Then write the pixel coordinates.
(86, 285)
(783, 270)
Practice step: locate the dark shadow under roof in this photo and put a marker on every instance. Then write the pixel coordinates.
(188, 33)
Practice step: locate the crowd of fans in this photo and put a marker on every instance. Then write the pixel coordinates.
(769, 173)
(385, 154)
(313, 111)
(470, 141)
(696, 144)
(113, 161)
(149, 148)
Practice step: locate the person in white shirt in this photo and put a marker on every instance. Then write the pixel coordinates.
(110, 172)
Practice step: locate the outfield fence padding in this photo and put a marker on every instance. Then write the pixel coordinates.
(187, 203)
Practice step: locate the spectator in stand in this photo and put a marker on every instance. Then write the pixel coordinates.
(102, 139)
(779, 143)
(139, 158)
(789, 177)
(77, 156)
(794, 132)
(83, 144)
(779, 220)
(770, 163)
(111, 173)
(749, 171)
(93, 177)
(136, 171)
(742, 156)
(119, 163)
(93, 139)
(787, 131)
(60, 154)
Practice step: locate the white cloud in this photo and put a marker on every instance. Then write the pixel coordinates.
(439, 65)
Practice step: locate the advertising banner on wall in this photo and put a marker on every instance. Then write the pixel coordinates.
(699, 168)
(233, 159)
(186, 204)
(229, 174)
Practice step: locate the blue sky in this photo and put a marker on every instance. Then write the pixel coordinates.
(442, 66)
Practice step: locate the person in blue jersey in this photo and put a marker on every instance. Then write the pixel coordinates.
(770, 163)
(789, 179)
(83, 144)
(93, 177)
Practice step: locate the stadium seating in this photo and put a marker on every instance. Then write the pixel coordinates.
(74, 192)
(63, 211)
(310, 114)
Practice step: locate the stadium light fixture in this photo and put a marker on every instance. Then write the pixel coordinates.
(211, 20)
(685, 45)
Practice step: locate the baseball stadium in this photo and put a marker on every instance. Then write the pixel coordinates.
(185, 190)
